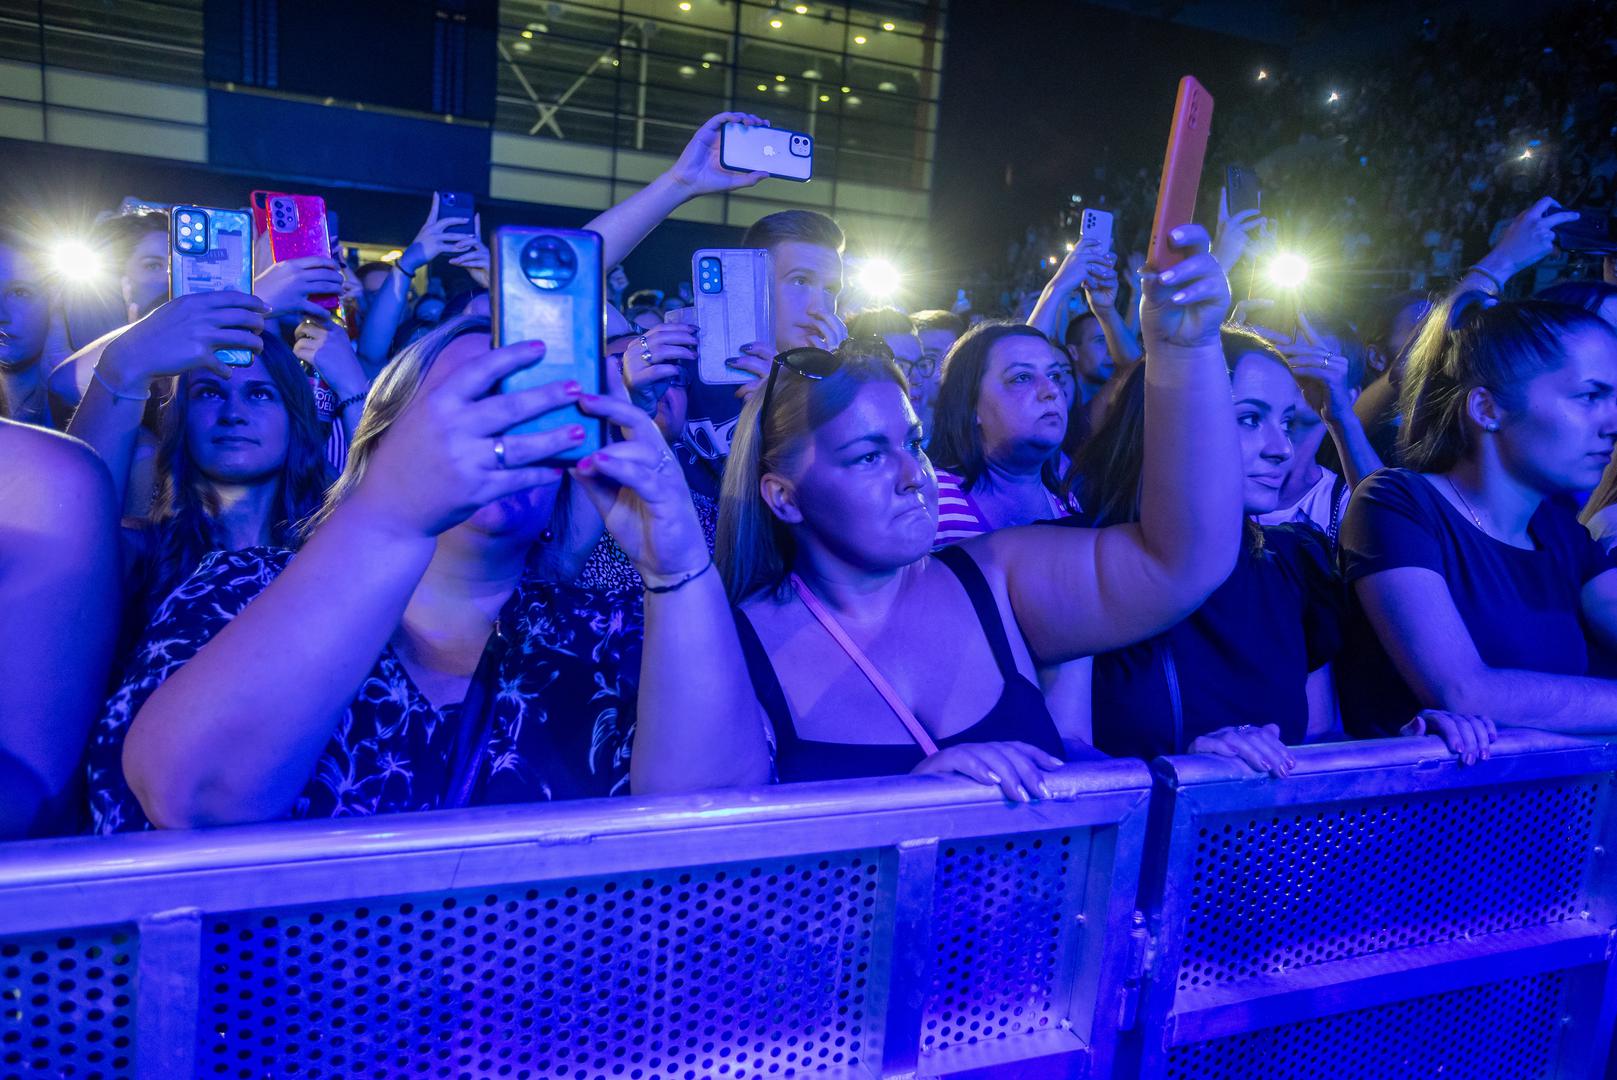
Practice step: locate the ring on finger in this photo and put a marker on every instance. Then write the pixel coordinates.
(499, 453)
(664, 460)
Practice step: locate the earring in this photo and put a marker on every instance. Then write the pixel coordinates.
(1491, 428)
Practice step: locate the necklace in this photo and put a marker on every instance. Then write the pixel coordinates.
(1465, 503)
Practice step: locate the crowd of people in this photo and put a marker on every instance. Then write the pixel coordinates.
(350, 577)
(1401, 170)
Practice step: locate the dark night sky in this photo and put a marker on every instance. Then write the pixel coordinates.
(1040, 86)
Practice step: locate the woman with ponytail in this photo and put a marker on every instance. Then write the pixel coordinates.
(1473, 583)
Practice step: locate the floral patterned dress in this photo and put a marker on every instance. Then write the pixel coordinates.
(561, 704)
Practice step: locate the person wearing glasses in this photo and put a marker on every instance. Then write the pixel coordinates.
(1001, 421)
(844, 619)
(893, 328)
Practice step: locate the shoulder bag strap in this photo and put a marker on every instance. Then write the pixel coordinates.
(862, 662)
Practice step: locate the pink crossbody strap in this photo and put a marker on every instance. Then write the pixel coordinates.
(857, 655)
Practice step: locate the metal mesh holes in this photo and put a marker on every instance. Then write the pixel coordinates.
(998, 932)
(1499, 1032)
(742, 971)
(66, 1005)
(1277, 889)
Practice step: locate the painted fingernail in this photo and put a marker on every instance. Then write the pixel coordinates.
(1176, 234)
(575, 432)
(1179, 297)
(1044, 791)
(1166, 276)
(587, 464)
(574, 390)
(992, 775)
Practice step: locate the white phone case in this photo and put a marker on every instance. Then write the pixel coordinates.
(776, 151)
(1095, 229)
(731, 287)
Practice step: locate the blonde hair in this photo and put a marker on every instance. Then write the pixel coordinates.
(753, 548)
(389, 396)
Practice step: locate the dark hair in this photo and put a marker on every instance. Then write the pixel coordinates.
(753, 548)
(374, 264)
(1589, 295)
(1109, 466)
(879, 322)
(803, 226)
(1476, 341)
(186, 503)
(1073, 336)
(956, 443)
(936, 319)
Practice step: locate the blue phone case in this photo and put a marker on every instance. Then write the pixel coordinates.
(549, 286)
(211, 250)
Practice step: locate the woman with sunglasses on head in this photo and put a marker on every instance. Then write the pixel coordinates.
(827, 519)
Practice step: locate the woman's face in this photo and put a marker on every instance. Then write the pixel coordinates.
(236, 429)
(1561, 438)
(525, 514)
(1266, 404)
(863, 489)
(1024, 399)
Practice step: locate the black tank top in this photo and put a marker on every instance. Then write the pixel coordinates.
(1019, 715)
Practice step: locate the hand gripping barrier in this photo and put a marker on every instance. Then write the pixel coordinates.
(920, 926)
(1383, 912)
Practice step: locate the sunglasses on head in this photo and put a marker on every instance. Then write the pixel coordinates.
(809, 362)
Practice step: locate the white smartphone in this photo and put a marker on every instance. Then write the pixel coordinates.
(731, 308)
(1095, 230)
(788, 155)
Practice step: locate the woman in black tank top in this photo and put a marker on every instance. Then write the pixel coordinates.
(860, 645)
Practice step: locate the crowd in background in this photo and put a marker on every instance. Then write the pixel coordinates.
(353, 570)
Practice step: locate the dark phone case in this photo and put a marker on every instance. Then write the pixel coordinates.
(1241, 190)
(458, 204)
(570, 318)
(783, 154)
(1591, 232)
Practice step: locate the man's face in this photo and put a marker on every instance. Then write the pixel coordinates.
(808, 278)
(25, 309)
(1090, 356)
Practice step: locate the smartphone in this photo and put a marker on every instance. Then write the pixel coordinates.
(298, 228)
(1095, 229)
(211, 251)
(259, 201)
(1181, 170)
(731, 308)
(550, 286)
(458, 204)
(1241, 190)
(788, 155)
(1592, 232)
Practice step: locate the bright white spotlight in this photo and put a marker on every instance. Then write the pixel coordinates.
(1334, 98)
(1526, 154)
(75, 262)
(1288, 270)
(878, 278)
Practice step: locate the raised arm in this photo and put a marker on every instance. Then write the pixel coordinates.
(1049, 314)
(696, 173)
(1526, 241)
(58, 618)
(699, 723)
(435, 238)
(1100, 290)
(1082, 591)
(235, 733)
(182, 334)
(1414, 615)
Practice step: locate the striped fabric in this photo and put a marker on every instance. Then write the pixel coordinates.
(959, 517)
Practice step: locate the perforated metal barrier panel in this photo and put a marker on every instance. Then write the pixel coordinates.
(924, 927)
(1383, 916)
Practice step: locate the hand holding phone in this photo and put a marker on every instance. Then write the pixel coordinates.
(700, 169)
(733, 292)
(441, 234)
(1181, 171)
(298, 231)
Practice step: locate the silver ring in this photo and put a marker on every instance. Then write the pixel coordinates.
(499, 452)
(664, 460)
(1243, 727)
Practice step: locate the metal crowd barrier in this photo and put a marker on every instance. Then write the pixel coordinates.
(1383, 912)
(855, 929)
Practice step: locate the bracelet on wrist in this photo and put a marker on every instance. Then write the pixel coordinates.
(353, 399)
(1478, 268)
(681, 583)
(120, 395)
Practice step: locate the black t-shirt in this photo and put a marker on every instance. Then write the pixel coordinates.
(1243, 657)
(1522, 608)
